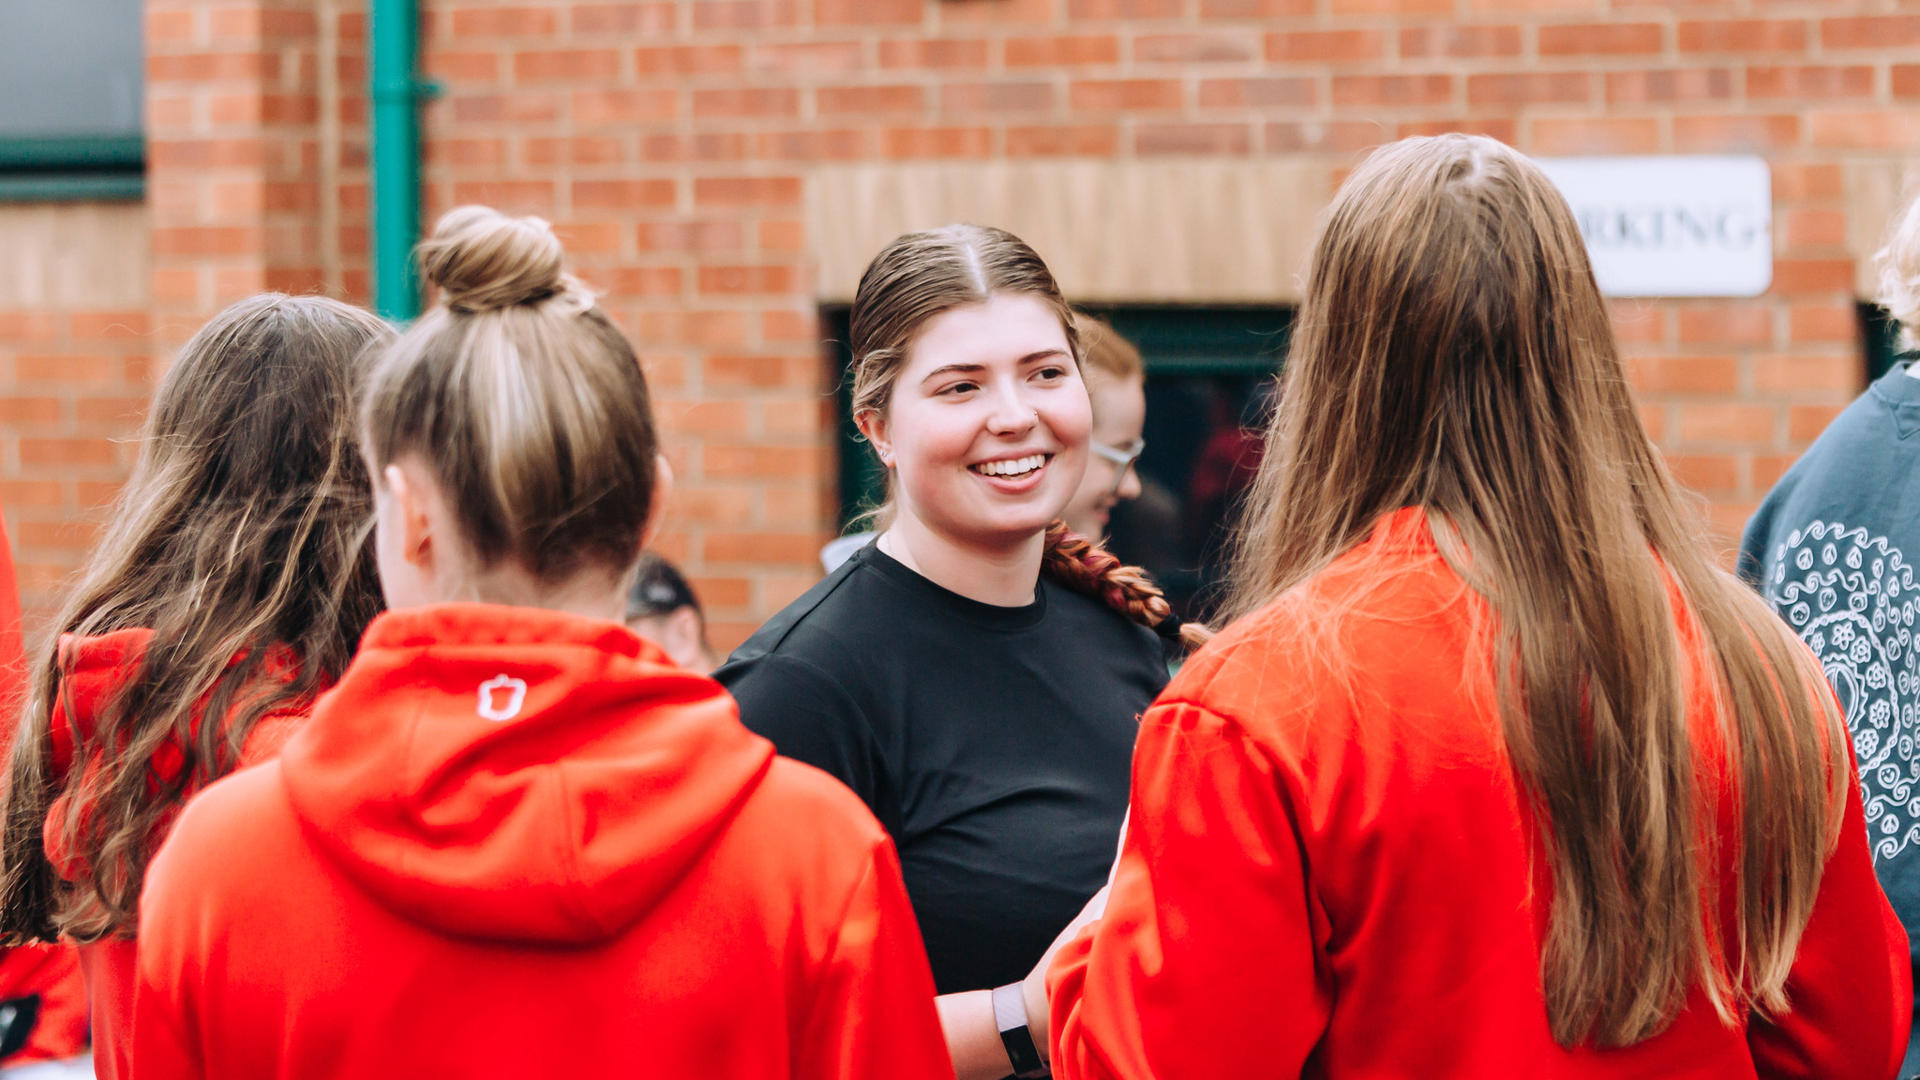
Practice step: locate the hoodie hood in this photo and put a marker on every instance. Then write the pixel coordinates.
(519, 775)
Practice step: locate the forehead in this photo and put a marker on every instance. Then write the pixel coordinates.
(1000, 330)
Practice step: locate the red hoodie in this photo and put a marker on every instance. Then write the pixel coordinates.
(517, 843)
(95, 669)
(1328, 872)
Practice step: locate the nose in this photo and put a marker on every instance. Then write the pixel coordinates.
(1012, 413)
(1129, 486)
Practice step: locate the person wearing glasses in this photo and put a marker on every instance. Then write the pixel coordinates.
(1117, 388)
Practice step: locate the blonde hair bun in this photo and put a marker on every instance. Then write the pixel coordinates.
(1898, 264)
(483, 260)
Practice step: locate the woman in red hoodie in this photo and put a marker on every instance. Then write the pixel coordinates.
(232, 582)
(516, 840)
(1500, 774)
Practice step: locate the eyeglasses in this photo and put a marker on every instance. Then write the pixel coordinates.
(1123, 460)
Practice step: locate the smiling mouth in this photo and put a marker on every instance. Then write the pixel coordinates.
(1011, 468)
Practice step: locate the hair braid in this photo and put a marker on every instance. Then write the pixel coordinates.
(1086, 567)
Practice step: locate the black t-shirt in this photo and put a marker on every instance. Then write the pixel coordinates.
(993, 743)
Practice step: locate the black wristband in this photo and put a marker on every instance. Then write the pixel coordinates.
(1010, 1016)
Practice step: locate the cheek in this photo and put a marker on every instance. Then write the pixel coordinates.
(1070, 416)
(929, 437)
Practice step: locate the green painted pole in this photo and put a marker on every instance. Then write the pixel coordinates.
(394, 94)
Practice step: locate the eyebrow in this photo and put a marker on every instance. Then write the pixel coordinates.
(971, 369)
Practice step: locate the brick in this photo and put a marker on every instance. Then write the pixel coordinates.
(108, 325)
(468, 153)
(705, 417)
(1602, 39)
(1806, 422)
(706, 146)
(1191, 138)
(809, 58)
(1804, 82)
(744, 370)
(790, 237)
(1392, 7)
(1662, 87)
(832, 144)
(1065, 140)
(566, 65)
(691, 237)
(1734, 134)
(1839, 373)
(506, 109)
(997, 97)
(1078, 10)
(1726, 324)
(746, 102)
(1506, 129)
(870, 100)
(1815, 229)
(1258, 93)
(623, 194)
(577, 150)
(1391, 90)
(1813, 323)
(1664, 374)
(1890, 130)
(1877, 32)
(1533, 87)
(1124, 95)
(744, 14)
(67, 453)
(511, 22)
(1319, 136)
(1004, 12)
(937, 53)
(625, 17)
(869, 12)
(1062, 50)
(689, 60)
(1596, 135)
(1211, 10)
(746, 191)
(1194, 48)
(1812, 275)
(30, 410)
(1906, 80)
(1326, 46)
(1802, 182)
(206, 240)
(622, 107)
(1705, 472)
(1469, 42)
(514, 196)
(1742, 36)
(937, 142)
(792, 326)
(1727, 423)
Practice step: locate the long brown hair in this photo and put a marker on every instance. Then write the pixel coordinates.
(922, 274)
(239, 541)
(525, 400)
(1453, 353)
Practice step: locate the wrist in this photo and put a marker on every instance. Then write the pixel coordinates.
(1011, 1012)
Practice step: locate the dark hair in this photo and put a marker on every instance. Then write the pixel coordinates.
(239, 542)
(922, 274)
(523, 398)
(659, 589)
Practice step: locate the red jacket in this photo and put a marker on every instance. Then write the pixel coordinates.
(50, 972)
(1328, 872)
(517, 843)
(95, 669)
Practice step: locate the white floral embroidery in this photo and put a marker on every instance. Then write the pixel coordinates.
(1852, 598)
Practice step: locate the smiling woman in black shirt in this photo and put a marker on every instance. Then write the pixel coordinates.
(976, 674)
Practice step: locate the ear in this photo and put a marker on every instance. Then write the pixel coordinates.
(683, 632)
(656, 506)
(873, 425)
(416, 526)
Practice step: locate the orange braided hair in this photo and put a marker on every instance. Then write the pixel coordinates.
(1086, 567)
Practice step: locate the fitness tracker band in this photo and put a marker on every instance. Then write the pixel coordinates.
(1010, 1016)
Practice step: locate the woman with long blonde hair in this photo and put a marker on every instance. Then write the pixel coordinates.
(1498, 773)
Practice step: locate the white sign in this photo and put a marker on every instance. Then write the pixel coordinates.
(1673, 226)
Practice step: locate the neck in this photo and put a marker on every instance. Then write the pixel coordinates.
(590, 594)
(1004, 576)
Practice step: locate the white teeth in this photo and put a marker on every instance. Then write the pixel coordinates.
(1013, 467)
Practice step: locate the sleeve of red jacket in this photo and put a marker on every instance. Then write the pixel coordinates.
(165, 976)
(1851, 989)
(1204, 963)
(872, 1016)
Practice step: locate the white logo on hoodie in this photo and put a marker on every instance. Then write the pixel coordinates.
(516, 696)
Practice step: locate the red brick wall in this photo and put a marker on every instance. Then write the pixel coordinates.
(671, 142)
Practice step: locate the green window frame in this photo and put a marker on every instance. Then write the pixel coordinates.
(54, 168)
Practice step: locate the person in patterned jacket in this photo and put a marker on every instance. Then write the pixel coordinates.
(1835, 548)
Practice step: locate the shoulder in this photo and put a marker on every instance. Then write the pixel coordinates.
(824, 627)
(1110, 634)
(226, 830)
(803, 822)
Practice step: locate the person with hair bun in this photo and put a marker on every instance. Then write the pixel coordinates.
(230, 585)
(516, 840)
(977, 672)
